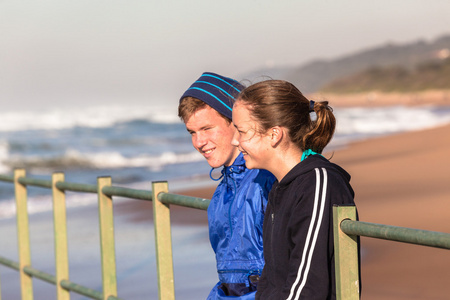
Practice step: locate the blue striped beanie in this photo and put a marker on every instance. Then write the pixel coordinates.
(217, 91)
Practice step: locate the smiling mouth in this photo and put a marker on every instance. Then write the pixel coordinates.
(209, 151)
(243, 152)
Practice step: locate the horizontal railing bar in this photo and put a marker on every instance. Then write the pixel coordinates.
(82, 290)
(40, 275)
(127, 192)
(76, 187)
(107, 190)
(9, 263)
(35, 182)
(68, 285)
(187, 201)
(62, 185)
(6, 178)
(399, 234)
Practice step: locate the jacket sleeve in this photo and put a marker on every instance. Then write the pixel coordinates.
(311, 262)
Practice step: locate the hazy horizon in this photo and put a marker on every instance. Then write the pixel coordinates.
(62, 54)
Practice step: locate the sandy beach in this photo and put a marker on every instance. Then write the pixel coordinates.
(403, 180)
(400, 180)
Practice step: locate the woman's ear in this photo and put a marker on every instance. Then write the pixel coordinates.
(276, 135)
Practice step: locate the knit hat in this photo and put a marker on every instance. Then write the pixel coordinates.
(217, 91)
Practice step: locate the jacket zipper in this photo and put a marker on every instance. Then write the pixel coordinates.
(231, 203)
(272, 216)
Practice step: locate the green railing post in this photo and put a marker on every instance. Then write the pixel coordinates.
(108, 254)
(345, 256)
(23, 235)
(60, 229)
(163, 243)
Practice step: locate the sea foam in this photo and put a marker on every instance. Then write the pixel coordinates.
(94, 117)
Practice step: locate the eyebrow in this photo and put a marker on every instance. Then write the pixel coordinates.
(243, 129)
(236, 126)
(201, 128)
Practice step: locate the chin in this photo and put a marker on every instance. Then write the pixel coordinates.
(250, 166)
(214, 164)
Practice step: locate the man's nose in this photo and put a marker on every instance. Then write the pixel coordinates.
(199, 140)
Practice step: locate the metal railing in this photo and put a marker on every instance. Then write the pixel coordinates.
(346, 230)
(105, 192)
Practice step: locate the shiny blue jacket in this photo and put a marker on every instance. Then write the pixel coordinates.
(235, 217)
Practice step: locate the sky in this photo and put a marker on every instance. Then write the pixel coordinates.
(63, 54)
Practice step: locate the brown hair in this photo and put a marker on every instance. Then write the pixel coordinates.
(280, 103)
(190, 105)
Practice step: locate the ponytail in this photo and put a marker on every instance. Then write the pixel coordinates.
(322, 129)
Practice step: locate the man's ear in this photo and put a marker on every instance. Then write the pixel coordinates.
(276, 135)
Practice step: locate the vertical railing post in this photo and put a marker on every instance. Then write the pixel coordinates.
(345, 255)
(60, 229)
(108, 254)
(163, 243)
(23, 235)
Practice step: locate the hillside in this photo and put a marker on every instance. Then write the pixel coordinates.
(311, 77)
(430, 75)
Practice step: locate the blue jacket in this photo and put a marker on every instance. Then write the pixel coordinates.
(235, 217)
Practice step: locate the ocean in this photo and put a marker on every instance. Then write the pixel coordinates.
(134, 145)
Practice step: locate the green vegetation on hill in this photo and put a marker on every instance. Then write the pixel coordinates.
(424, 76)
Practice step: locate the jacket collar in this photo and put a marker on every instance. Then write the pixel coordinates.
(310, 163)
(237, 167)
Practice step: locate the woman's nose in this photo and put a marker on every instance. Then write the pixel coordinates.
(235, 141)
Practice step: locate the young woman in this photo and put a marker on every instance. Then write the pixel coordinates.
(275, 132)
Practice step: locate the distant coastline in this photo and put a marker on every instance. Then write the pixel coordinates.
(377, 98)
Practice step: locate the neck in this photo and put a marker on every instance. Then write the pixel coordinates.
(235, 155)
(284, 161)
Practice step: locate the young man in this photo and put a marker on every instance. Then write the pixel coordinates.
(236, 211)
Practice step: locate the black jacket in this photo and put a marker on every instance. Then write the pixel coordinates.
(298, 231)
